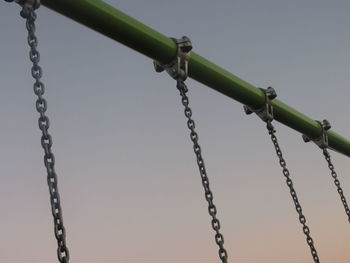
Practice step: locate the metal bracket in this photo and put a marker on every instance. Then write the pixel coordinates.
(266, 111)
(178, 68)
(322, 141)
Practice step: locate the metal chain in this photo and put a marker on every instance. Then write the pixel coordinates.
(293, 193)
(46, 140)
(336, 182)
(219, 238)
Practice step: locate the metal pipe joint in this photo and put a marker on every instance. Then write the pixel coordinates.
(321, 141)
(178, 68)
(266, 111)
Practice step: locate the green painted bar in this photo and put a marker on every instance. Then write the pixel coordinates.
(118, 26)
(115, 24)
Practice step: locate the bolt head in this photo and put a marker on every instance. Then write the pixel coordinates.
(326, 125)
(271, 93)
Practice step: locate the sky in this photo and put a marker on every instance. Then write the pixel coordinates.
(129, 185)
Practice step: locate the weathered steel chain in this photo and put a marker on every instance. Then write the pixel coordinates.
(46, 140)
(219, 238)
(293, 193)
(336, 182)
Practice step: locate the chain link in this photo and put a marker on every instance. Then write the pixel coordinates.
(46, 140)
(219, 238)
(293, 193)
(336, 182)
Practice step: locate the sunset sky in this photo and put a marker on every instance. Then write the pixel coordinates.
(128, 180)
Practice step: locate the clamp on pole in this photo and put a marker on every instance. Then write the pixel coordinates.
(178, 68)
(322, 141)
(266, 111)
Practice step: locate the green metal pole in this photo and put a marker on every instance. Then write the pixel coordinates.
(113, 23)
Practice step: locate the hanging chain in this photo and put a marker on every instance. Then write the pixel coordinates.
(336, 182)
(46, 140)
(293, 193)
(266, 114)
(323, 143)
(219, 238)
(178, 69)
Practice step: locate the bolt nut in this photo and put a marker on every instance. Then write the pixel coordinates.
(305, 138)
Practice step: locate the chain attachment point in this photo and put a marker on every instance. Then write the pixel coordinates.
(178, 68)
(266, 111)
(321, 141)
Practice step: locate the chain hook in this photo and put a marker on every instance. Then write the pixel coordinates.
(178, 68)
(321, 141)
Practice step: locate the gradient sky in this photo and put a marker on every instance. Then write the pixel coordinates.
(128, 180)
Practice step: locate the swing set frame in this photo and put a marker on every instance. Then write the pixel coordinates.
(120, 27)
(173, 55)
